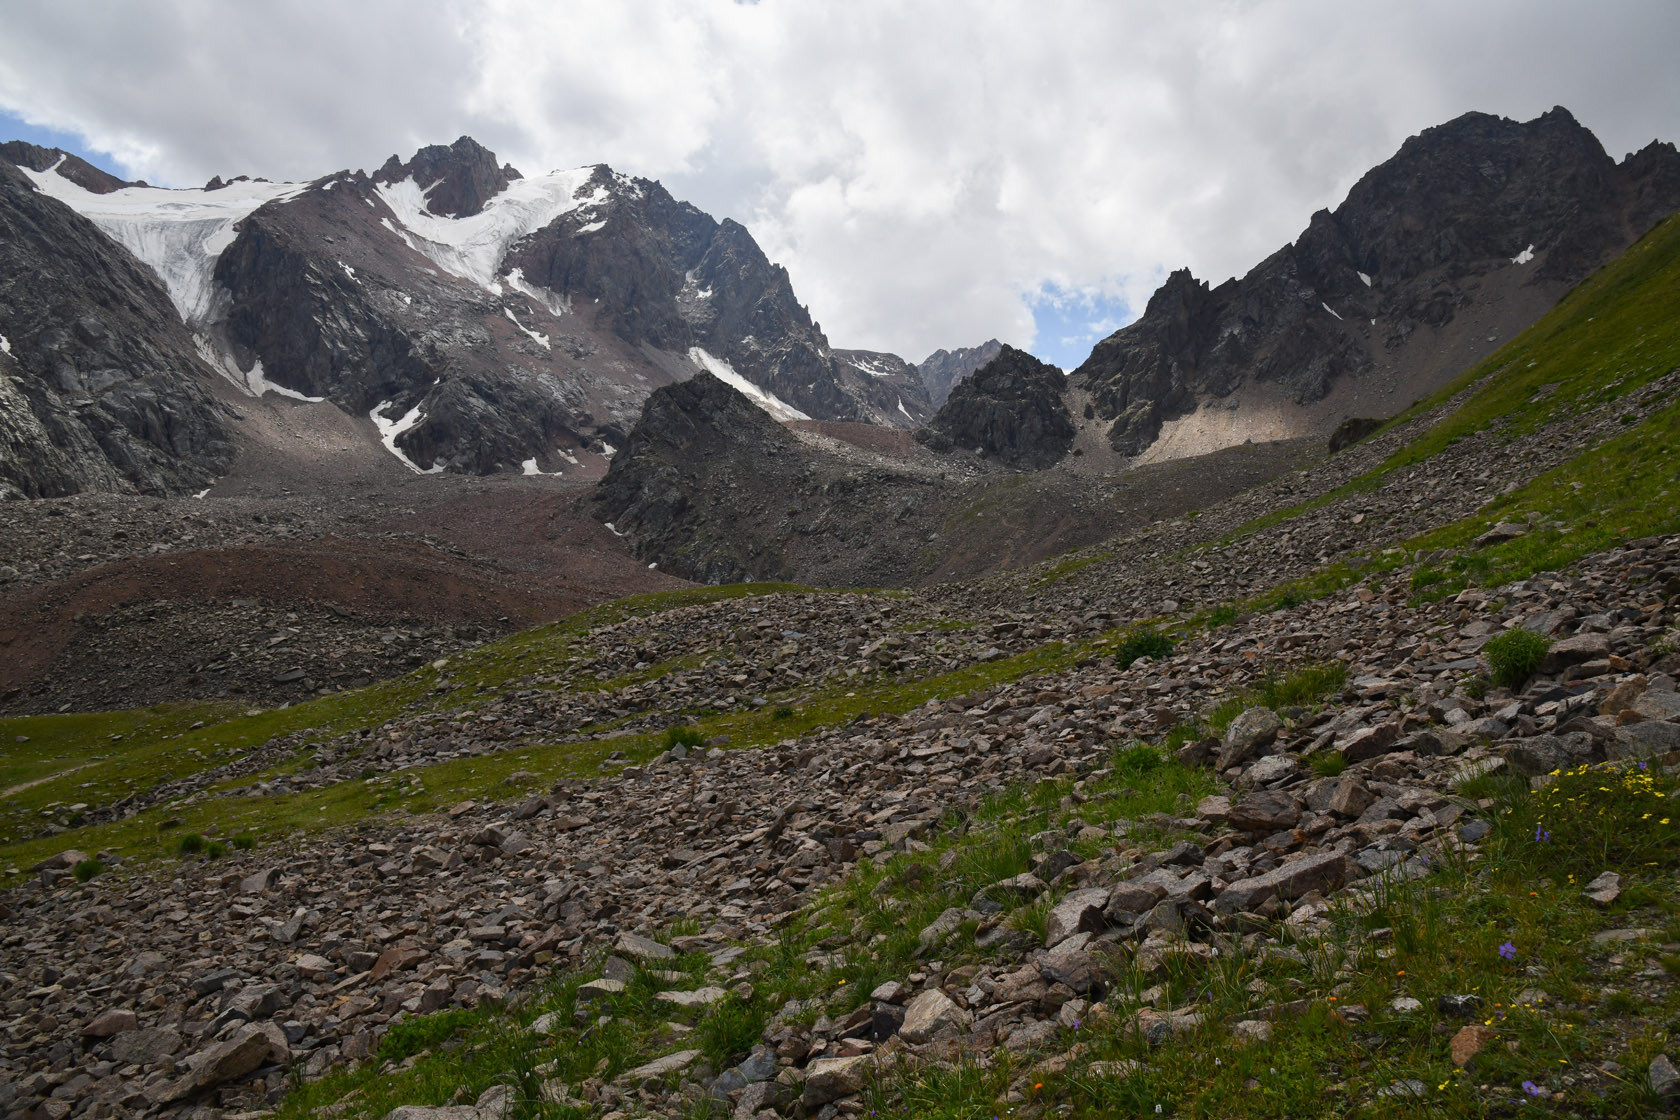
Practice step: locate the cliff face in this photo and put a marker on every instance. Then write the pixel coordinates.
(1462, 216)
(101, 387)
(716, 491)
(1010, 409)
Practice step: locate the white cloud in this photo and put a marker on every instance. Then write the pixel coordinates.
(927, 172)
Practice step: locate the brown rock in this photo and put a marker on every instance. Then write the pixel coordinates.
(1351, 798)
(114, 1021)
(1468, 1042)
(1265, 811)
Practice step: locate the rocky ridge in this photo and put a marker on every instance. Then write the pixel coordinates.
(941, 370)
(1472, 216)
(1009, 409)
(710, 489)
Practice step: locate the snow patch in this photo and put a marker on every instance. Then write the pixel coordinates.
(473, 247)
(1524, 257)
(5, 345)
(348, 271)
(725, 372)
(179, 233)
(1365, 278)
(613, 529)
(539, 339)
(555, 305)
(593, 226)
(608, 450)
(202, 492)
(1330, 309)
(252, 381)
(389, 430)
(872, 367)
(906, 411)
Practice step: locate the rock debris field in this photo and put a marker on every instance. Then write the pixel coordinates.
(192, 988)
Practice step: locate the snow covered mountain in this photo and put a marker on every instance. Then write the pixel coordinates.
(482, 320)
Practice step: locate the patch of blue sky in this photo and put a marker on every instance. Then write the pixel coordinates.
(1067, 322)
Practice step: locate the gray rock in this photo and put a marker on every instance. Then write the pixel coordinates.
(1574, 651)
(829, 1079)
(1321, 871)
(1604, 889)
(1079, 912)
(1253, 729)
(930, 1015)
(1664, 1077)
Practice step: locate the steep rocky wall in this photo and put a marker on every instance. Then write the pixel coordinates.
(100, 386)
(1366, 289)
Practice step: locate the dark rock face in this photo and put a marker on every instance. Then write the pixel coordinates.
(100, 385)
(1454, 206)
(1010, 409)
(458, 179)
(888, 388)
(942, 369)
(646, 495)
(716, 491)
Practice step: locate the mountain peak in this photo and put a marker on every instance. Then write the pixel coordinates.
(458, 178)
(74, 168)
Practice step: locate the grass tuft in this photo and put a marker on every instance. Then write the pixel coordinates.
(1514, 656)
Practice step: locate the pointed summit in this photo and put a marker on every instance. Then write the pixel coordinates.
(459, 179)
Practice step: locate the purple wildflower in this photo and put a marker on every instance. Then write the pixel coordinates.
(1531, 1088)
(1508, 951)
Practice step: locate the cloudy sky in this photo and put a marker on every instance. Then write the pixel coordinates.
(932, 173)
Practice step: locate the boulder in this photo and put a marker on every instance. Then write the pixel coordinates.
(1079, 912)
(829, 1079)
(1265, 811)
(931, 1014)
(1320, 871)
(1574, 651)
